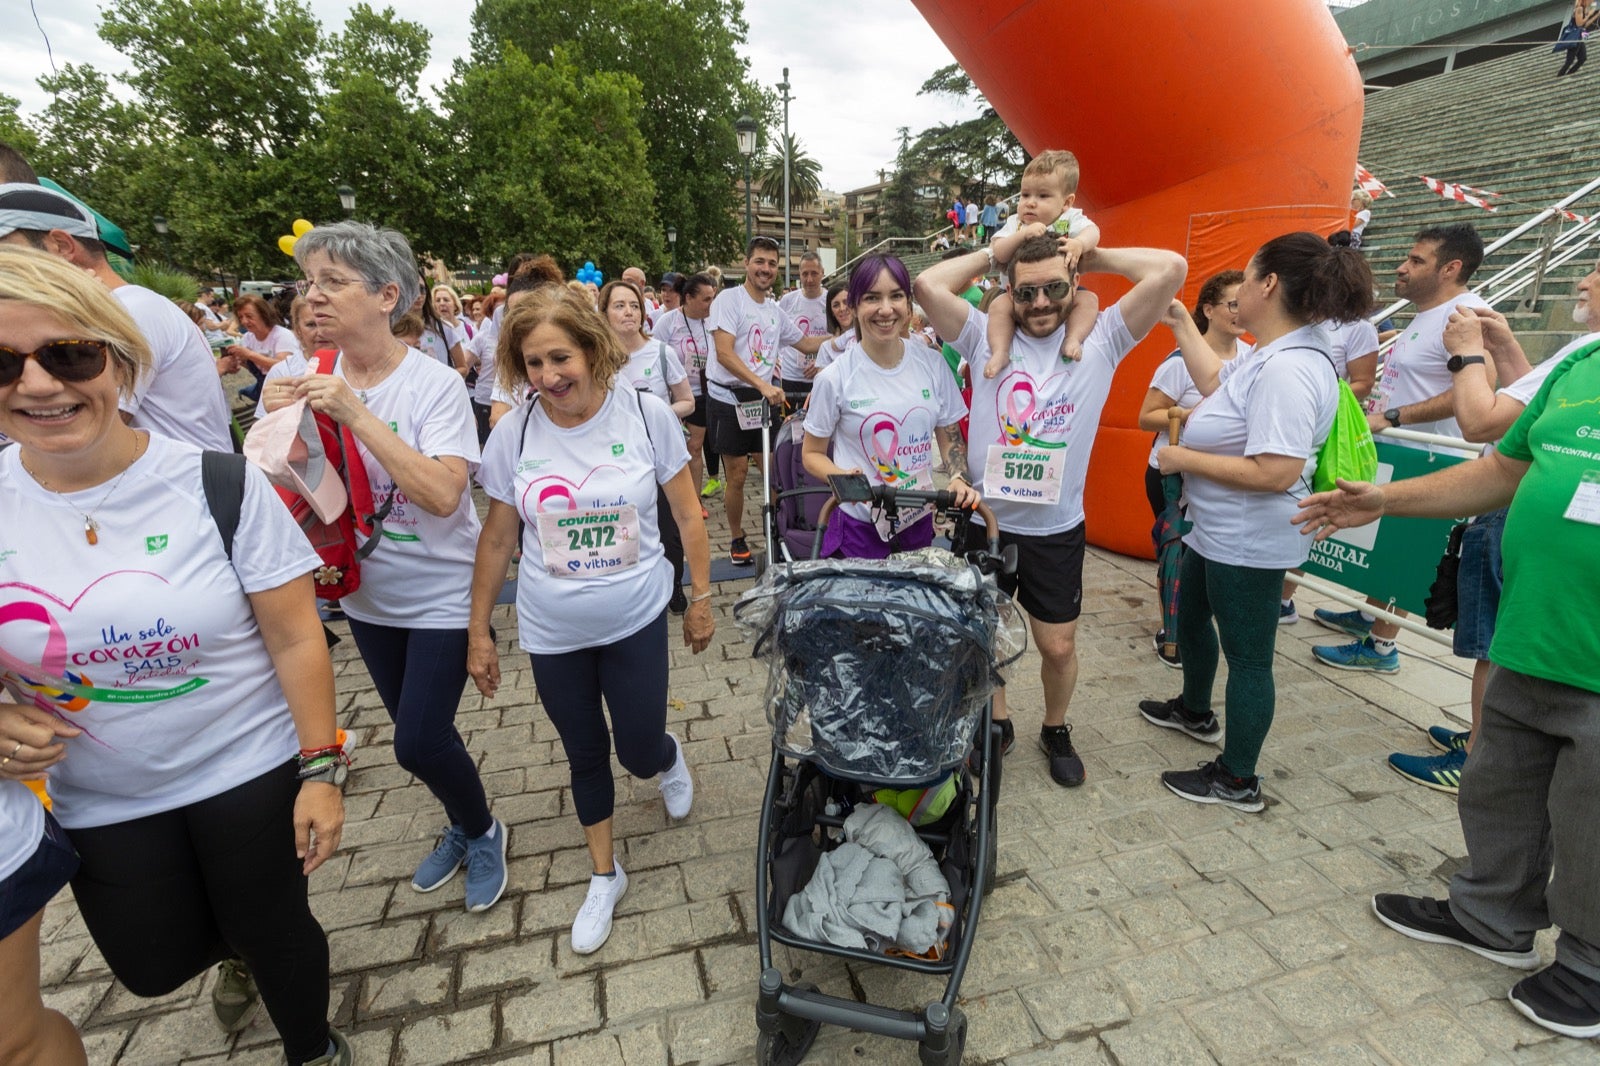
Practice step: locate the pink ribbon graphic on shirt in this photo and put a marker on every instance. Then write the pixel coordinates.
(886, 454)
(558, 491)
(1014, 424)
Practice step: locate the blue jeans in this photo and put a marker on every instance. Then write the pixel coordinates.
(420, 674)
(1478, 584)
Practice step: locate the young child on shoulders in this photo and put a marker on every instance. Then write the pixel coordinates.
(1049, 186)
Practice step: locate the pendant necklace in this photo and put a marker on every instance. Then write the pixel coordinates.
(91, 528)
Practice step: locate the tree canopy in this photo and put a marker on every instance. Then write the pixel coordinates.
(578, 127)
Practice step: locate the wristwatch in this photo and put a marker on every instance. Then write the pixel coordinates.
(1393, 415)
(1456, 362)
(332, 774)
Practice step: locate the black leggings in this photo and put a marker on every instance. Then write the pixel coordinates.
(631, 674)
(419, 675)
(1576, 56)
(169, 895)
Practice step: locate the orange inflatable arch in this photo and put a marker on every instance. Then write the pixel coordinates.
(1207, 127)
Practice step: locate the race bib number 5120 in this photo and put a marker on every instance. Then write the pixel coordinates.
(1024, 475)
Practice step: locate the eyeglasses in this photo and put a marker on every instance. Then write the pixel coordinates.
(1231, 305)
(327, 285)
(65, 360)
(1055, 290)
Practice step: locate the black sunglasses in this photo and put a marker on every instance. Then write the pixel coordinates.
(66, 360)
(1055, 290)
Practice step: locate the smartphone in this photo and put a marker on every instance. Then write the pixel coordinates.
(851, 488)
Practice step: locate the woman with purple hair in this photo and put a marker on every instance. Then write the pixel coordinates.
(883, 406)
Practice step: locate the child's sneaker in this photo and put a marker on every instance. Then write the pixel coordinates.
(592, 926)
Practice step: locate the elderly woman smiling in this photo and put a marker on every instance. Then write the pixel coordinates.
(414, 431)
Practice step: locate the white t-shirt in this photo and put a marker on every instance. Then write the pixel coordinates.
(1042, 399)
(619, 456)
(180, 396)
(1415, 369)
(21, 826)
(1270, 402)
(277, 340)
(882, 421)
(212, 327)
(811, 315)
(654, 367)
(182, 700)
(758, 329)
(486, 346)
(1349, 340)
(1071, 222)
(691, 339)
(438, 340)
(1172, 379)
(834, 347)
(293, 365)
(420, 577)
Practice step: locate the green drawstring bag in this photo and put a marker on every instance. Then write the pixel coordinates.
(1349, 452)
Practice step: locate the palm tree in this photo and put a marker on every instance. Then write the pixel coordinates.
(805, 176)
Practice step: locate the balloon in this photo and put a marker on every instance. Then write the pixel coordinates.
(498, 279)
(286, 244)
(1211, 159)
(301, 227)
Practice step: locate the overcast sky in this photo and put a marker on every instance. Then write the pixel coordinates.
(854, 65)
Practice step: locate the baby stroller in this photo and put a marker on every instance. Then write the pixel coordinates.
(880, 673)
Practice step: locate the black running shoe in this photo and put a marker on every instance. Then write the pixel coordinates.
(1065, 766)
(1008, 736)
(739, 552)
(1172, 714)
(1561, 1000)
(1212, 784)
(1431, 921)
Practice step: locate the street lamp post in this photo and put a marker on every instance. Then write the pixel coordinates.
(672, 242)
(746, 128)
(347, 200)
(783, 87)
(161, 227)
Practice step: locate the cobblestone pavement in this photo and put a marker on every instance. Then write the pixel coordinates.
(1127, 926)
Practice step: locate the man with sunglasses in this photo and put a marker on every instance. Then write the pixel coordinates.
(180, 397)
(1032, 427)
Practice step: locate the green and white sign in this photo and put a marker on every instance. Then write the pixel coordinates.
(1393, 559)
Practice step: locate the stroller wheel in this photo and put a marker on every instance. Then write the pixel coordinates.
(955, 1041)
(778, 1049)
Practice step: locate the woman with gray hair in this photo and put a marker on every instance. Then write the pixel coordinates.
(414, 432)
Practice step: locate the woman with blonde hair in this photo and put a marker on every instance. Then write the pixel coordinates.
(594, 581)
(447, 306)
(182, 711)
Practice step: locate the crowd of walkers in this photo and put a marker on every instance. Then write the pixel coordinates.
(167, 674)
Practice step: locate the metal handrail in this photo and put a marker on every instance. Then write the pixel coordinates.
(844, 268)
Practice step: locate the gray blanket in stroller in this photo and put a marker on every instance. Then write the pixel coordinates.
(881, 889)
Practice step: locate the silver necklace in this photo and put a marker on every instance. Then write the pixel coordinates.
(383, 372)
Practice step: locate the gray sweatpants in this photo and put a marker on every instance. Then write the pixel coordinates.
(1530, 802)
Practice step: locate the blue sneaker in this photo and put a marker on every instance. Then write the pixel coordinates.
(437, 869)
(1287, 615)
(1343, 622)
(1358, 656)
(486, 868)
(1441, 772)
(1446, 739)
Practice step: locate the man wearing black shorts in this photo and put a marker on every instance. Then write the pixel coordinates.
(1031, 430)
(748, 328)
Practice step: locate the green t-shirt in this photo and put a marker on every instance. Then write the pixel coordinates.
(1549, 621)
(973, 296)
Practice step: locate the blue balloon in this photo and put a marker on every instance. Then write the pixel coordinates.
(588, 264)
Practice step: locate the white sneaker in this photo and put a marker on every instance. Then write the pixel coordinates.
(592, 926)
(676, 786)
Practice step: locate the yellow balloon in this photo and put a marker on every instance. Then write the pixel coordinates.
(286, 244)
(300, 227)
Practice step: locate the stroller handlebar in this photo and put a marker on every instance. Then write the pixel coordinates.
(989, 560)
